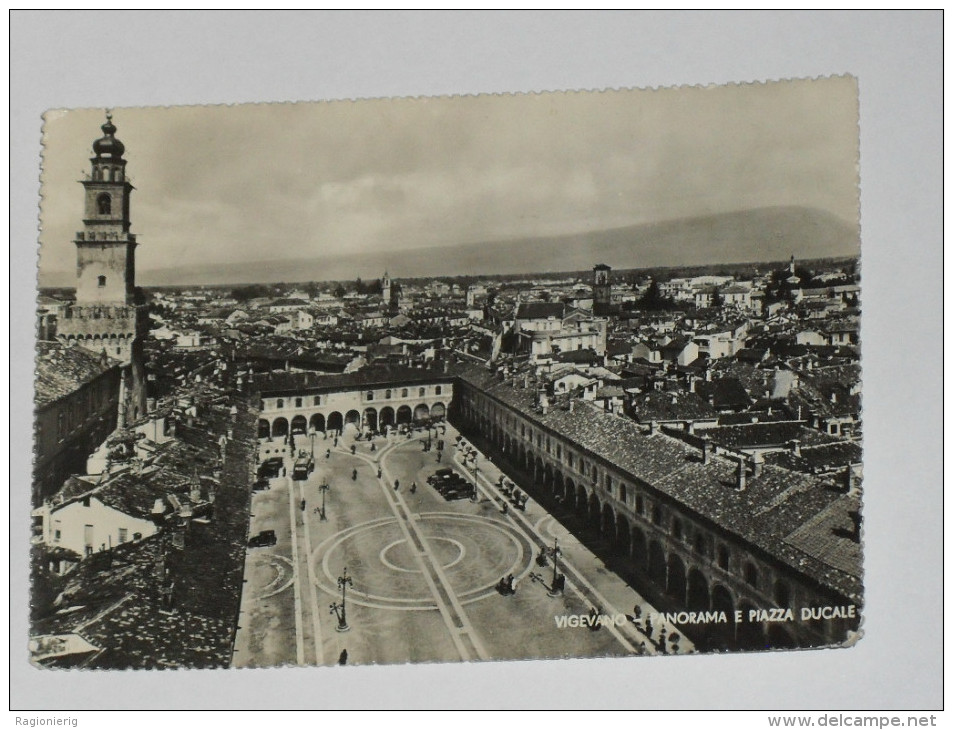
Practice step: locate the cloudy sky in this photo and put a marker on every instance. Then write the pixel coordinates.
(284, 181)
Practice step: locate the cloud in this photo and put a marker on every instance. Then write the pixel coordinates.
(281, 181)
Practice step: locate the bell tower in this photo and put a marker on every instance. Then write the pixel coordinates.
(106, 316)
(601, 290)
(386, 291)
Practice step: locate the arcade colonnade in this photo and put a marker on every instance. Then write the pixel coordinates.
(690, 560)
(368, 409)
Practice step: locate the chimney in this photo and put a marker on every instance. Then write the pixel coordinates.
(708, 375)
(850, 480)
(757, 465)
(691, 383)
(795, 445)
(572, 405)
(706, 451)
(742, 474)
(652, 427)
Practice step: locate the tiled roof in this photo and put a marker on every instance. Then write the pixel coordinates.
(61, 370)
(823, 457)
(757, 435)
(540, 310)
(671, 406)
(373, 376)
(111, 599)
(771, 507)
(578, 356)
(726, 392)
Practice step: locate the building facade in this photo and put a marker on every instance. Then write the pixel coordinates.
(107, 316)
(658, 507)
(372, 399)
(76, 408)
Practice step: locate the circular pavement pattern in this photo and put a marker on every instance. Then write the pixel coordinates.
(270, 574)
(387, 568)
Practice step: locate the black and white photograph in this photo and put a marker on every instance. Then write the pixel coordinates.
(449, 379)
(475, 360)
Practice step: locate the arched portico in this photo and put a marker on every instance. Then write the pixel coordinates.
(676, 578)
(370, 418)
(317, 422)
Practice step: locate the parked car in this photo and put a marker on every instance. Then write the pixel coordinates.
(271, 468)
(440, 475)
(261, 485)
(263, 539)
(457, 491)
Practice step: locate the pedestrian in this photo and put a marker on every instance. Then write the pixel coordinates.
(396, 484)
(284, 471)
(302, 505)
(327, 454)
(354, 475)
(342, 659)
(353, 448)
(413, 488)
(379, 472)
(648, 627)
(641, 647)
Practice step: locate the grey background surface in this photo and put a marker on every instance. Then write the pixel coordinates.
(82, 59)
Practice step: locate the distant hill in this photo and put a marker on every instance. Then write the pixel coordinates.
(763, 234)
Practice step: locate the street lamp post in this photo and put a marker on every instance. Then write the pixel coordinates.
(556, 588)
(340, 609)
(313, 433)
(324, 490)
(475, 497)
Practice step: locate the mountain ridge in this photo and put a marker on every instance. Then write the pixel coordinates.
(760, 234)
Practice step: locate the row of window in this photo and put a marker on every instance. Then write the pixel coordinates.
(369, 396)
(80, 407)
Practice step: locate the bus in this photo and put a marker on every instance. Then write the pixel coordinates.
(304, 465)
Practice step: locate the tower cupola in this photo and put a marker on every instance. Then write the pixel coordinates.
(108, 145)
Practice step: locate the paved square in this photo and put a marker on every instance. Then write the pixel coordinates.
(423, 572)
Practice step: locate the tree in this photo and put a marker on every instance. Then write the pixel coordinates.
(340, 291)
(653, 299)
(251, 291)
(716, 298)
